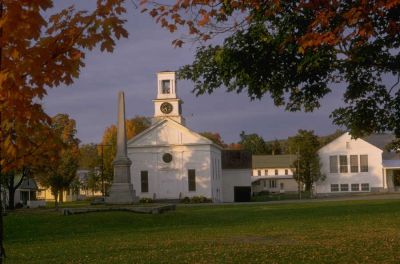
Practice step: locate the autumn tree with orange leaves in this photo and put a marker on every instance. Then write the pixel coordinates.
(40, 50)
(61, 172)
(295, 52)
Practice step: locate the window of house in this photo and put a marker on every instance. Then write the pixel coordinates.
(276, 172)
(192, 180)
(364, 163)
(165, 86)
(266, 172)
(334, 187)
(272, 183)
(353, 163)
(344, 187)
(259, 172)
(282, 186)
(144, 181)
(286, 171)
(265, 183)
(343, 164)
(333, 164)
(348, 145)
(365, 187)
(355, 187)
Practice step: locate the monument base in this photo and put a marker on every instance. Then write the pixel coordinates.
(122, 193)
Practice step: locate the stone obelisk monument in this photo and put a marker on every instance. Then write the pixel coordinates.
(121, 191)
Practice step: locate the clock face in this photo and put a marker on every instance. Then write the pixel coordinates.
(166, 108)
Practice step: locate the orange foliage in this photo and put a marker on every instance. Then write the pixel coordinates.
(40, 51)
(205, 18)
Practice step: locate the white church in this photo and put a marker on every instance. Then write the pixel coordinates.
(170, 161)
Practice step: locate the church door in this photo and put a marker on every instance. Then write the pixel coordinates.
(169, 184)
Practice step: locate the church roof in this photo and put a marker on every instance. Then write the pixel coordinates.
(148, 136)
(273, 161)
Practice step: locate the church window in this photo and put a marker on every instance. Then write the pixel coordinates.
(165, 86)
(144, 180)
(192, 180)
(167, 157)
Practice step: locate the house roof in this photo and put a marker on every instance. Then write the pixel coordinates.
(379, 140)
(28, 184)
(273, 161)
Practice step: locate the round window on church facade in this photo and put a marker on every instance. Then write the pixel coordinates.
(167, 157)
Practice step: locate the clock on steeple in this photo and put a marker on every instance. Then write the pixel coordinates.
(167, 103)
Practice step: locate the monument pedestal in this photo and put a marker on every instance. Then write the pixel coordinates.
(122, 193)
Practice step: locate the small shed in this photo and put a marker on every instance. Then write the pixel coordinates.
(236, 175)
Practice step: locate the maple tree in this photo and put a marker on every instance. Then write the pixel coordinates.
(41, 48)
(214, 137)
(134, 126)
(295, 52)
(34, 143)
(61, 172)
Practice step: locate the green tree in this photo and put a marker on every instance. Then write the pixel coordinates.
(306, 168)
(253, 143)
(274, 147)
(88, 156)
(60, 173)
(296, 52)
(89, 159)
(214, 137)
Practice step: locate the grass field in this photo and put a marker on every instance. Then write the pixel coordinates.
(323, 232)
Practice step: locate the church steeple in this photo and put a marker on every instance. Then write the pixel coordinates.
(167, 103)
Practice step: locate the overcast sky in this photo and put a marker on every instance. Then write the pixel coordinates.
(132, 68)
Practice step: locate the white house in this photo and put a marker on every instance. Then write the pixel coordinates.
(170, 161)
(273, 173)
(358, 165)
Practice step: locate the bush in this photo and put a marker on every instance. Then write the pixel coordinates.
(196, 199)
(146, 200)
(200, 199)
(185, 200)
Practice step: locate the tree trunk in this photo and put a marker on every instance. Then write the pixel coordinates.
(61, 196)
(11, 199)
(2, 251)
(12, 189)
(55, 194)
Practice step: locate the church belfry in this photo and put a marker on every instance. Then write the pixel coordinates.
(167, 103)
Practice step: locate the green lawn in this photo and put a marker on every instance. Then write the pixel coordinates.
(324, 232)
